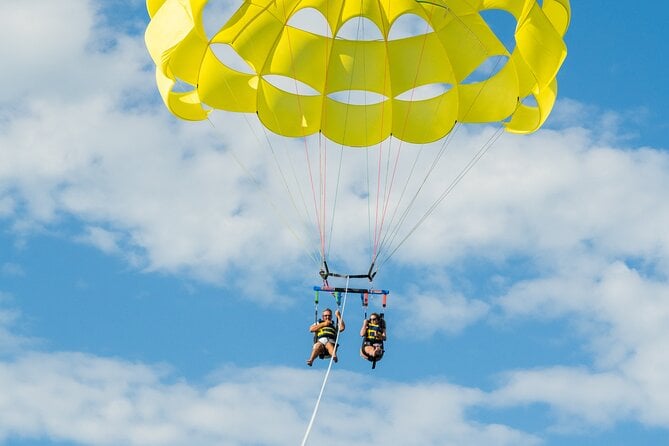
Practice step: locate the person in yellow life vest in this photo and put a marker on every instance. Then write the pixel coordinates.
(325, 335)
(373, 334)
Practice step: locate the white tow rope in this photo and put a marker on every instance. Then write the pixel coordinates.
(327, 375)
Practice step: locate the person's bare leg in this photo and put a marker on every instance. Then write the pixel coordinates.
(318, 348)
(332, 351)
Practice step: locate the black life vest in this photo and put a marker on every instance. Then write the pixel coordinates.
(329, 331)
(374, 334)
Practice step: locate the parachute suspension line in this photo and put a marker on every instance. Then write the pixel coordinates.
(319, 212)
(378, 243)
(269, 144)
(394, 225)
(369, 204)
(387, 194)
(361, 23)
(482, 151)
(388, 183)
(370, 229)
(327, 374)
(322, 170)
(478, 155)
(329, 235)
(378, 227)
(280, 170)
(323, 142)
(336, 195)
(288, 157)
(375, 226)
(304, 214)
(316, 201)
(322, 186)
(393, 232)
(277, 210)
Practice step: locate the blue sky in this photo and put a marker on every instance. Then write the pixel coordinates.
(148, 295)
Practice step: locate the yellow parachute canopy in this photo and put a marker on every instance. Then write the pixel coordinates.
(457, 42)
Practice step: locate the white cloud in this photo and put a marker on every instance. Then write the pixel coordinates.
(578, 397)
(548, 194)
(623, 318)
(65, 55)
(105, 241)
(12, 269)
(10, 342)
(426, 312)
(44, 55)
(98, 401)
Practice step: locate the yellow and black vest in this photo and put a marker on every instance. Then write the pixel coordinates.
(329, 331)
(374, 332)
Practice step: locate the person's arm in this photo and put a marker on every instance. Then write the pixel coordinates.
(363, 330)
(317, 326)
(342, 325)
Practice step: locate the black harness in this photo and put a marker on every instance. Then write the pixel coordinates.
(373, 341)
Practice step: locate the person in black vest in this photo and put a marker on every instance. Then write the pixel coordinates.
(325, 334)
(373, 334)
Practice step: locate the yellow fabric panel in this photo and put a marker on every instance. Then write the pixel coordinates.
(168, 27)
(358, 65)
(395, 8)
(247, 13)
(460, 44)
(540, 45)
(185, 105)
(356, 125)
(539, 53)
(526, 80)
(491, 100)
(452, 9)
(255, 39)
(418, 60)
(224, 88)
(468, 41)
(427, 120)
(330, 10)
(528, 119)
(184, 59)
(301, 55)
(558, 12)
(152, 6)
(286, 113)
(282, 10)
(370, 9)
(174, 42)
(514, 7)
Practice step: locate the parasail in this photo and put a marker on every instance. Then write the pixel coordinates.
(302, 79)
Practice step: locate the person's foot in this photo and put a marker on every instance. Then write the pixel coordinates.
(335, 359)
(309, 362)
